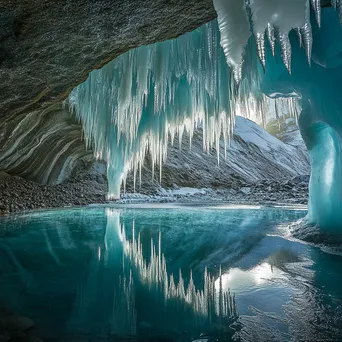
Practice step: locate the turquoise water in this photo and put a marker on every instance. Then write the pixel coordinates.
(169, 274)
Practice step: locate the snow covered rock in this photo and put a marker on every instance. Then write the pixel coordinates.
(253, 155)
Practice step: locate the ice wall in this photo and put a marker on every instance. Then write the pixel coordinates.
(318, 87)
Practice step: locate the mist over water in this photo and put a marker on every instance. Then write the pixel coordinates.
(169, 274)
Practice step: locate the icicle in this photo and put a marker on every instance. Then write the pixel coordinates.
(300, 37)
(235, 32)
(307, 40)
(271, 37)
(276, 110)
(140, 166)
(316, 5)
(260, 41)
(285, 46)
(306, 32)
(337, 4)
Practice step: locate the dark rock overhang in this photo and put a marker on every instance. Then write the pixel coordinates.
(49, 47)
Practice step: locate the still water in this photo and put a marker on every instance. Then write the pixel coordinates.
(177, 273)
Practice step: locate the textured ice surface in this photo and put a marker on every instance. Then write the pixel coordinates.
(320, 121)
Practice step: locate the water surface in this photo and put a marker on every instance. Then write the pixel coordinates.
(169, 274)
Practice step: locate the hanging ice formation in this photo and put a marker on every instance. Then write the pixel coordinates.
(147, 95)
(272, 18)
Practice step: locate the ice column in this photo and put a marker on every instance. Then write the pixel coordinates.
(318, 88)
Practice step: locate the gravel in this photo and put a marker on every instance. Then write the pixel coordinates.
(18, 194)
(90, 187)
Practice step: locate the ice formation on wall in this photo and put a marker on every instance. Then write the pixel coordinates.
(274, 19)
(320, 120)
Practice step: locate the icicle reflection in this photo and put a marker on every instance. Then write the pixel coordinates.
(128, 284)
(209, 302)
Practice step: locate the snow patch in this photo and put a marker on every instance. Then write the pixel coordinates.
(182, 191)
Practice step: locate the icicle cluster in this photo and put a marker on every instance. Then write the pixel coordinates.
(272, 19)
(139, 101)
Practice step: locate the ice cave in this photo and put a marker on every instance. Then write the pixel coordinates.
(208, 76)
(170, 171)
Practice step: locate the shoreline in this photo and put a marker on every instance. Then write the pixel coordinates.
(18, 195)
(218, 204)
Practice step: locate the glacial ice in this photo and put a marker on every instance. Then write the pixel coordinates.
(144, 97)
(235, 32)
(320, 120)
(276, 17)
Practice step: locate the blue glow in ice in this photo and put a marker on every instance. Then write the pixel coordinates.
(318, 87)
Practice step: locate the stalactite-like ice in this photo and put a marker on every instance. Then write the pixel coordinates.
(147, 95)
(235, 32)
(276, 18)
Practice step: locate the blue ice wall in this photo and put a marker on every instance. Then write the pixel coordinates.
(319, 88)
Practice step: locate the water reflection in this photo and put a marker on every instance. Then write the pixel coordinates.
(124, 279)
(210, 302)
(117, 274)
